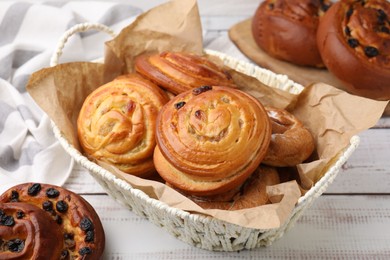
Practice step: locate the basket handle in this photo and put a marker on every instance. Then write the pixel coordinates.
(82, 27)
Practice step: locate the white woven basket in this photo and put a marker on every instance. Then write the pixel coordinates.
(195, 229)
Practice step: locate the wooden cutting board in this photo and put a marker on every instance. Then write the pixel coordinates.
(241, 36)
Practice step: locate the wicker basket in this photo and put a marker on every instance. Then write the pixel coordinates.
(195, 229)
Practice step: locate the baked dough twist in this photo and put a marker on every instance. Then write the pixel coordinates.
(81, 229)
(286, 29)
(116, 123)
(291, 143)
(210, 139)
(27, 232)
(354, 40)
(181, 71)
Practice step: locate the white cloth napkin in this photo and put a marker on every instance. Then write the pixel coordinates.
(29, 33)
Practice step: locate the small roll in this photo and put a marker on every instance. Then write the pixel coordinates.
(354, 40)
(286, 29)
(291, 142)
(252, 193)
(117, 123)
(27, 232)
(81, 229)
(180, 71)
(210, 139)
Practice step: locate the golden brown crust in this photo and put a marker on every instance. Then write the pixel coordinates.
(116, 123)
(252, 193)
(210, 139)
(180, 71)
(286, 29)
(354, 40)
(291, 143)
(27, 232)
(80, 225)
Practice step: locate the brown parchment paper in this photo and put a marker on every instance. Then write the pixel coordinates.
(332, 115)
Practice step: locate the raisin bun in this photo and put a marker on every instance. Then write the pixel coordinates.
(286, 29)
(27, 232)
(210, 139)
(354, 41)
(81, 234)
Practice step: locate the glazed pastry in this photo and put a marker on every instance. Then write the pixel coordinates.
(82, 231)
(210, 139)
(286, 29)
(291, 143)
(354, 40)
(252, 193)
(116, 123)
(27, 232)
(180, 71)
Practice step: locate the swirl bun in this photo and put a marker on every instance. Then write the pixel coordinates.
(286, 29)
(180, 71)
(210, 139)
(354, 40)
(291, 143)
(27, 232)
(116, 123)
(81, 229)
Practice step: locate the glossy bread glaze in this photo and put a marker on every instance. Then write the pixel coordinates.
(210, 139)
(117, 123)
(291, 143)
(81, 229)
(286, 29)
(354, 40)
(27, 232)
(181, 71)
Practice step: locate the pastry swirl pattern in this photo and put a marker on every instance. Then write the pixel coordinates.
(210, 139)
(117, 123)
(181, 71)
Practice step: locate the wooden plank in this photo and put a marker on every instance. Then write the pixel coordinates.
(221, 23)
(81, 181)
(206, 7)
(348, 227)
(368, 169)
(227, 7)
(383, 122)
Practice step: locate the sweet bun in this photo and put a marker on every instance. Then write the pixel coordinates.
(252, 193)
(210, 139)
(291, 142)
(354, 40)
(27, 232)
(181, 71)
(117, 123)
(81, 229)
(286, 29)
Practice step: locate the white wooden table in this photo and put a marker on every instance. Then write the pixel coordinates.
(350, 221)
